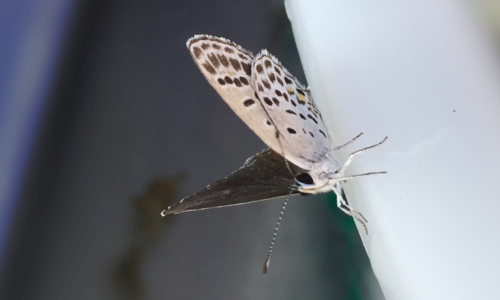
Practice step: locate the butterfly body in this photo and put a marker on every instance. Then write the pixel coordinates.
(323, 175)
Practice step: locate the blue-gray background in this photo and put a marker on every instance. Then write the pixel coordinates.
(109, 117)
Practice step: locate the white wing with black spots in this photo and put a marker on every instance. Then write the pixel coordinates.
(290, 106)
(228, 68)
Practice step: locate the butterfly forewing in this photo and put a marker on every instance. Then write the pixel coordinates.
(228, 68)
(290, 107)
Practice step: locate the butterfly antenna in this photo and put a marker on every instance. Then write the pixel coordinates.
(268, 259)
(288, 166)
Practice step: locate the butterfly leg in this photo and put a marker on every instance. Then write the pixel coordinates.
(353, 213)
(349, 159)
(344, 206)
(342, 146)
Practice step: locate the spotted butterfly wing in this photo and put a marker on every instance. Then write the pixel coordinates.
(289, 105)
(228, 68)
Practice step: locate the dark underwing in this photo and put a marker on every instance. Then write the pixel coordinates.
(264, 176)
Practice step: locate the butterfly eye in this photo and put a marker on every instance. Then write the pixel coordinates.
(304, 178)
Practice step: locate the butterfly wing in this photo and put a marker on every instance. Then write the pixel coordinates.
(228, 67)
(290, 106)
(263, 176)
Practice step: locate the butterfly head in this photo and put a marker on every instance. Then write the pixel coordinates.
(320, 179)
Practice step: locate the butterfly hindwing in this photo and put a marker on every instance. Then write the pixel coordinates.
(290, 106)
(228, 68)
(264, 176)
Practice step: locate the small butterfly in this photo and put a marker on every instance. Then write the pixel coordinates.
(281, 111)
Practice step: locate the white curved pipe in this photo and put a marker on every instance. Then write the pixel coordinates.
(424, 74)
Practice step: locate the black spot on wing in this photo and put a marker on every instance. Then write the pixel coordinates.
(228, 50)
(237, 82)
(235, 64)
(221, 81)
(277, 70)
(286, 97)
(196, 52)
(290, 112)
(268, 101)
(213, 59)
(267, 63)
(216, 46)
(205, 46)
(272, 77)
(302, 117)
(244, 80)
(248, 102)
(209, 68)
(288, 80)
(259, 69)
(278, 93)
(223, 60)
(276, 101)
(228, 80)
(293, 103)
(247, 68)
(322, 133)
(266, 84)
(312, 118)
(291, 130)
(280, 81)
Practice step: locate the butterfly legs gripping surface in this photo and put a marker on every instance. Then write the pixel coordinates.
(341, 201)
(344, 206)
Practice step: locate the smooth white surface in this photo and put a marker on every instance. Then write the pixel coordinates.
(424, 74)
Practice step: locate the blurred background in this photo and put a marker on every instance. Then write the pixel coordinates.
(105, 120)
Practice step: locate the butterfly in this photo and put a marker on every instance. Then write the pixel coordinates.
(281, 111)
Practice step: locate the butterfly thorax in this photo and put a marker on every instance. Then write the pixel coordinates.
(322, 177)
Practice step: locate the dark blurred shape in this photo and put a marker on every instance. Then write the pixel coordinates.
(126, 274)
(161, 193)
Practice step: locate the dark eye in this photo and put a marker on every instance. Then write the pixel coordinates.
(304, 178)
